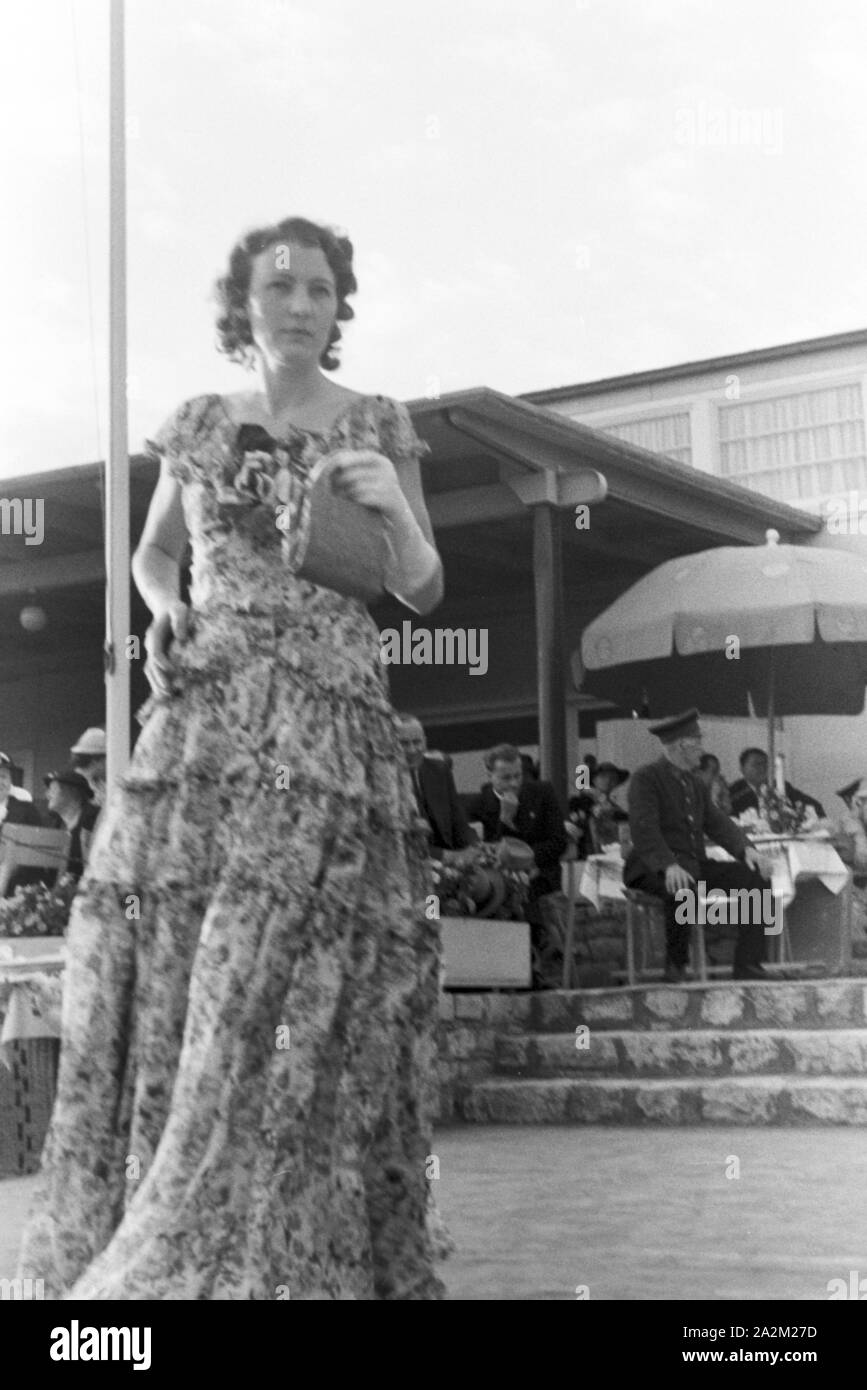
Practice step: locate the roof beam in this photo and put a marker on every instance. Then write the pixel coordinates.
(53, 572)
(466, 506)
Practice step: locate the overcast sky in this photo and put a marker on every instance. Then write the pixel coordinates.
(540, 192)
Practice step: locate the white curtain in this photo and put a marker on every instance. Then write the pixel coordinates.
(796, 448)
(661, 434)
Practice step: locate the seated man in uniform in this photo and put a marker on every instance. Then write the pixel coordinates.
(670, 813)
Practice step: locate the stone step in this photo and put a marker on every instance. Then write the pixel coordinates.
(754, 1100)
(674, 1054)
(835, 1003)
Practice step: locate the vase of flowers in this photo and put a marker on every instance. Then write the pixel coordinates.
(781, 816)
(38, 909)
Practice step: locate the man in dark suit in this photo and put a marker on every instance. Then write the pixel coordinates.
(510, 805)
(435, 792)
(745, 792)
(14, 811)
(670, 813)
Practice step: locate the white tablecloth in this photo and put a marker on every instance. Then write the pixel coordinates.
(600, 876)
(30, 1004)
(789, 860)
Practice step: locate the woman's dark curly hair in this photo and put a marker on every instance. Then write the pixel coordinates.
(234, 337)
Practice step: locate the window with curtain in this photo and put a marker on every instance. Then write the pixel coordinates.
(797, 448)
(661, 434)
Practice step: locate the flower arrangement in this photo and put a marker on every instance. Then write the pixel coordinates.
(38, 909)
(779, 815)
(454, 884)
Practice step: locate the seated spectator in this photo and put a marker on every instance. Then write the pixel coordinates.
(595, 812)
(19, 793)
(510, 807)
(745, 792)
(435, 792)
(89, 758)
(711, 774)
(530, 769)
(16, 811)
(671, 816)
(70, 803)
(850, 840)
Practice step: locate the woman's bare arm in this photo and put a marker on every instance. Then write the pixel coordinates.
(416, 557)
(156, 568)
(156, 564)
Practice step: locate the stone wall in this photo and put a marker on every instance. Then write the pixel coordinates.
(469, 1024)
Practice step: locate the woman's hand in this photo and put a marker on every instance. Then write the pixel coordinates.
(368, 478)
(171, 625)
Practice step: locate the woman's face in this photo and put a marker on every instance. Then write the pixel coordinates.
(292, 303)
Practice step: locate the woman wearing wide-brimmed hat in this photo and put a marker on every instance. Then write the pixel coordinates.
(595, 812)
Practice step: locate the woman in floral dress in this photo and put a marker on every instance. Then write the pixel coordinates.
(244, 1098)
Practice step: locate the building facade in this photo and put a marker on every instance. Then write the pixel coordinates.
(787, 423)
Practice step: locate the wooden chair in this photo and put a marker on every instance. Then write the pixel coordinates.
(645, 914)
(644, 921)
(645, 926)
(574, 867)
(31, 847)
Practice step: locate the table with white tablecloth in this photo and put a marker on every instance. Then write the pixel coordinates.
(807, 876)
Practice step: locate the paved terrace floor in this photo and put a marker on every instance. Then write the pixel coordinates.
(633, 1213)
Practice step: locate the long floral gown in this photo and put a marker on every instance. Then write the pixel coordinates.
(243, 1107)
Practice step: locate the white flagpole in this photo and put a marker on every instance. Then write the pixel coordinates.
(117, 546)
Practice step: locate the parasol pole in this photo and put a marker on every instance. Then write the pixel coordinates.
(771, 720)
(117, 545)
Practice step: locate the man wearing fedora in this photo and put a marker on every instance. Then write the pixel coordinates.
(70, 805)
(670, 813)
(89, 758)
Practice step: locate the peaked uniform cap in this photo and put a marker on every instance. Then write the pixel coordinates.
(676, 726)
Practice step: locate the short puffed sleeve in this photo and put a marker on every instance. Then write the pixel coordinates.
(400, 443)
(398, 434)
(173, 441)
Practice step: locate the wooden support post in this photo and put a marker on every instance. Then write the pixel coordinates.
(551, 695)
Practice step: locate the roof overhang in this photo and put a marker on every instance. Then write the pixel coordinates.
(515, 454)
